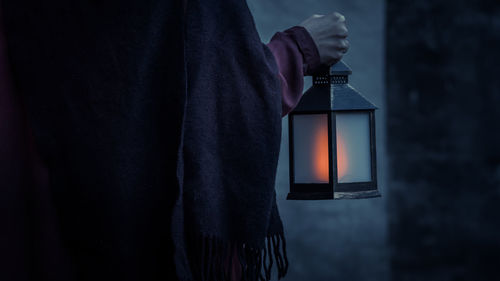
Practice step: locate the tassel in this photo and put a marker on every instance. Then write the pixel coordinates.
(213, 259)
(203, 255)
(269, 252)
(263, 277)
(282, 236)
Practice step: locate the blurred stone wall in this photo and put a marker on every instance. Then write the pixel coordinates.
(336, 240)
(443, 139)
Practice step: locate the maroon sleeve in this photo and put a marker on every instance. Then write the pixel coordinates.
(296, 55)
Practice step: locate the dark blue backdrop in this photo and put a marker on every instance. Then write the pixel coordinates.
(433, 68)
(336, 240)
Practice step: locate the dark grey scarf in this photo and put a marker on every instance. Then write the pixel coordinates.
(232, 131)
(151, 125)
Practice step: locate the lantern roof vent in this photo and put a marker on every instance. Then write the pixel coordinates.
(333, 94)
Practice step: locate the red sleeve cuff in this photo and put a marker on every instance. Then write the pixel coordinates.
(307, 47)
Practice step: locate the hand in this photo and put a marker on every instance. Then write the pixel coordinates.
(329, 33)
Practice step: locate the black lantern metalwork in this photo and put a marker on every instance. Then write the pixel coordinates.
(332, 141)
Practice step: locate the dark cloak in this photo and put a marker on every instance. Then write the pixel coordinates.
(159, 135)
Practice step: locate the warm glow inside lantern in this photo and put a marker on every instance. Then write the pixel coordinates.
(332, 141)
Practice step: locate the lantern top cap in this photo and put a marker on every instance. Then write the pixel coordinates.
(340, 68)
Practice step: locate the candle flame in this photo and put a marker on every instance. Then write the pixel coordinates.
(321, 167)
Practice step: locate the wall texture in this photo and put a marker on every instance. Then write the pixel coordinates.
(443, 136)
(336, 240)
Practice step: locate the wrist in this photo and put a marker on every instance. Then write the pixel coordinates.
(308, 48)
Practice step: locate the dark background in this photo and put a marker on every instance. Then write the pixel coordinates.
(433, 69)
(443, 94)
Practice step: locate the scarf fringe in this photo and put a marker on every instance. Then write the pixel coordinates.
(212, 259)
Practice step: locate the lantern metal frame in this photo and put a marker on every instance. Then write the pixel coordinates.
(346, 100)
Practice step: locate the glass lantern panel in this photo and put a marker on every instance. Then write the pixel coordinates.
(353, 147)
(310, 148)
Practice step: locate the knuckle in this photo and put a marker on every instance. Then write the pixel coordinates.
(338, 16)
(343, 32)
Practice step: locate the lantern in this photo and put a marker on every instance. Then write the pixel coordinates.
(332, 141)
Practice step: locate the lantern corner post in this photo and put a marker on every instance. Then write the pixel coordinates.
(332, 149)
(373, 149)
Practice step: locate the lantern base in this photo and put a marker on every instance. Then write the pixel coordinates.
(332, 195)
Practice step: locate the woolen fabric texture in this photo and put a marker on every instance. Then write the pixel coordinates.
(159, 132)
(231, 142)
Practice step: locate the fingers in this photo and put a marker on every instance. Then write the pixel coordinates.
(336, 50)
(337, 17)
(329, 32)
(339, 23)
(342, 45)
(334, 55)
(341, 31)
